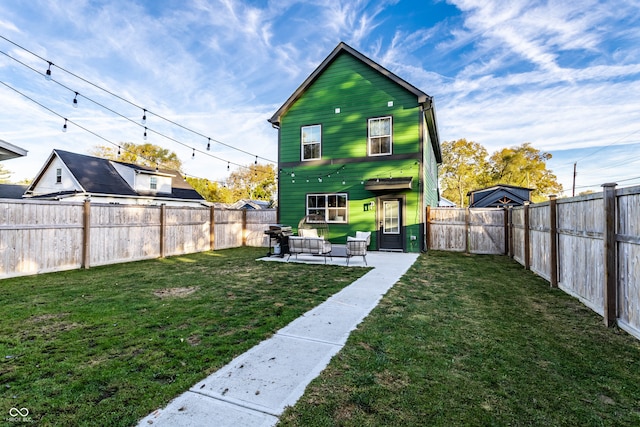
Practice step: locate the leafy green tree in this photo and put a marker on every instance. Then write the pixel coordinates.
(524, 166)
(5, 174)
(211, 191)
(464, 168)
(140, 154)
(255, 182)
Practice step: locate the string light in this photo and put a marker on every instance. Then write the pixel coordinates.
(48, 77)
(48, 72)
(75, 101)
(227, 166)
(193, 154)
(145, 133)
(144, 116)
(118, 151)
(209, 144)
(256, 162)
(64, 126)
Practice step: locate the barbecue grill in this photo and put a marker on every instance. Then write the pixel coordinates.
(278, 236)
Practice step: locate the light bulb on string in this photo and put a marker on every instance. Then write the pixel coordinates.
(193, 154)
(48, 72)
(64, 126)
(256, 162)
(145, 133)
(118, 151)
(144, 116)
(75, 101)
(228, 167)
(209, 144)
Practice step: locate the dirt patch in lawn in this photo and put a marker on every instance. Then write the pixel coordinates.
(175, 292)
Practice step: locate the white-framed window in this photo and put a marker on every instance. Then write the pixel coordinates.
(331, 207)
(311, 139)
(153, 182)
(59, 176)
(380, 139)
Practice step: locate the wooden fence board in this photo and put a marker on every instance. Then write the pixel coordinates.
(629, 260)
(580, 226)
(447, 229)
(486, 231)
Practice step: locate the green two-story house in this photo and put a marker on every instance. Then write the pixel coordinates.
(359, 146)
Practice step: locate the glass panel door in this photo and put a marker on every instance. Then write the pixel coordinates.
(391, 220)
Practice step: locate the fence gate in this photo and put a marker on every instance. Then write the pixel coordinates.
(476, 230)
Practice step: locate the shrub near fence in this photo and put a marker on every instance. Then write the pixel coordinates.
(43, 236)
(588, 246)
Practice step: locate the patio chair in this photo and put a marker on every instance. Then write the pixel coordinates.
(357, 246)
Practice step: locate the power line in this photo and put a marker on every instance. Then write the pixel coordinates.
(144, 110)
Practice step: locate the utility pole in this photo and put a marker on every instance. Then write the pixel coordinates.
(573, 192)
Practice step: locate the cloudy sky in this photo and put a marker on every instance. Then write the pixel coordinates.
(564, 76)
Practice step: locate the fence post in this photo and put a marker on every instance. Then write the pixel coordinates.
(212, 228)
(610, 255)
(428, 229)
(467, 226)
(527, 248)
(86, 233)
(244, 227)
(506, 230)
(510, 215)
(553, 235)
(163, 225)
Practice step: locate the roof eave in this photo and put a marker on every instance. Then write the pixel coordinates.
(422, 97)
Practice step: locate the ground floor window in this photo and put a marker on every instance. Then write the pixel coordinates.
(331, 207)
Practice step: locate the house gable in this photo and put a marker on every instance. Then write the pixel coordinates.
(110, 180)
(498, 196)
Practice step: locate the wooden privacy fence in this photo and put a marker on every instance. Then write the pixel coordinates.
(478, 230)
(45, 236)
(588, 246)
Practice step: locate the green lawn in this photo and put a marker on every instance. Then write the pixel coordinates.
(107, 346)
(477, 341)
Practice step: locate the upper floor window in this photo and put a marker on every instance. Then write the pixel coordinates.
(153, 182)
(380, 138)
(311, 137)
(58, 175)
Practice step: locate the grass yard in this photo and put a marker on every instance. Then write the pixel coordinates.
(477, 341)
(107, 346)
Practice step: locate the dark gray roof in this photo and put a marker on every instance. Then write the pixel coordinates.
(98, 176)
(499, 195)
(12, 191)
(95, 175)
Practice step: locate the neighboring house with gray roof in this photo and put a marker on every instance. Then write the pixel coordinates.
(76, 177)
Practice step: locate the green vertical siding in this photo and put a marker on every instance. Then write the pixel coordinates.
(360, 92)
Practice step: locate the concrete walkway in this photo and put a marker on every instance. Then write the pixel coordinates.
(256, 387)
